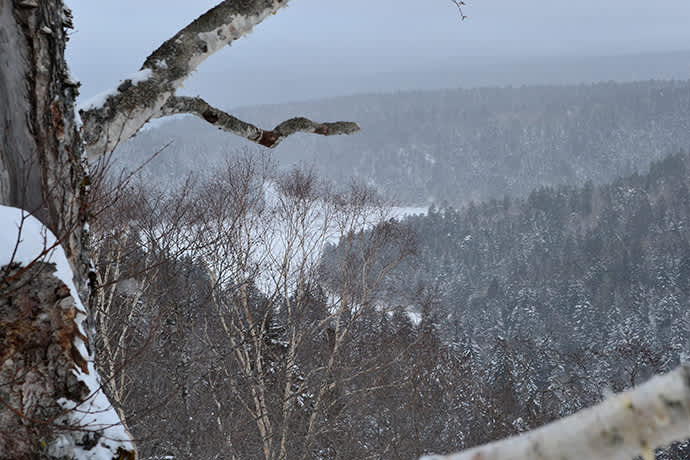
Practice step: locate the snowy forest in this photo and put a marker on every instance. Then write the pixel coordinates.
(472, 323)
(497, 271)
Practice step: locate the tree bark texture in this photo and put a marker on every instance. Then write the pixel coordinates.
(43, 171)
(41, 164)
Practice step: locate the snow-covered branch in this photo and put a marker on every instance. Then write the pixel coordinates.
(624, 426)
(202, 109)
(117, 115)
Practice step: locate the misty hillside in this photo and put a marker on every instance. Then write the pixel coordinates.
(600, 268)
(455, 145)
(577, 265)
(383, 74)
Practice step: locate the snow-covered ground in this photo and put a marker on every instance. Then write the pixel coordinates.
(278, 240)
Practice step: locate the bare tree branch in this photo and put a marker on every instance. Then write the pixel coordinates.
(460, 4)
(202, 109)
(117, 115)
(630, 424)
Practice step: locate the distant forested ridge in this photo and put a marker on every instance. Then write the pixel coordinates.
(457, 145)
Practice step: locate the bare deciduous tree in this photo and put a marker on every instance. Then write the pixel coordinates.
(266, 233)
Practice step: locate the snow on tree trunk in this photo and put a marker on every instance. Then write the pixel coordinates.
(41, 164)
(51, 405)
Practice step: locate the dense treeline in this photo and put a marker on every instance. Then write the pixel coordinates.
(600, 272)
(585, 265)
(555, 298)
(457, 145)
(522, 305)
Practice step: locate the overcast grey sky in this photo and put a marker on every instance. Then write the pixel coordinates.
(324, 43)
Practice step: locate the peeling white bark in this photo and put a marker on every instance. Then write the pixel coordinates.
(121, 113)
(633, 423)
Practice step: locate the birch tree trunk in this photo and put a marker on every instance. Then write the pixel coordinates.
(49, 390)
(46, 375)
(41, 165)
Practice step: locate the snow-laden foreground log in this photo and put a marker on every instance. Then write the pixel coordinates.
(627, 425)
